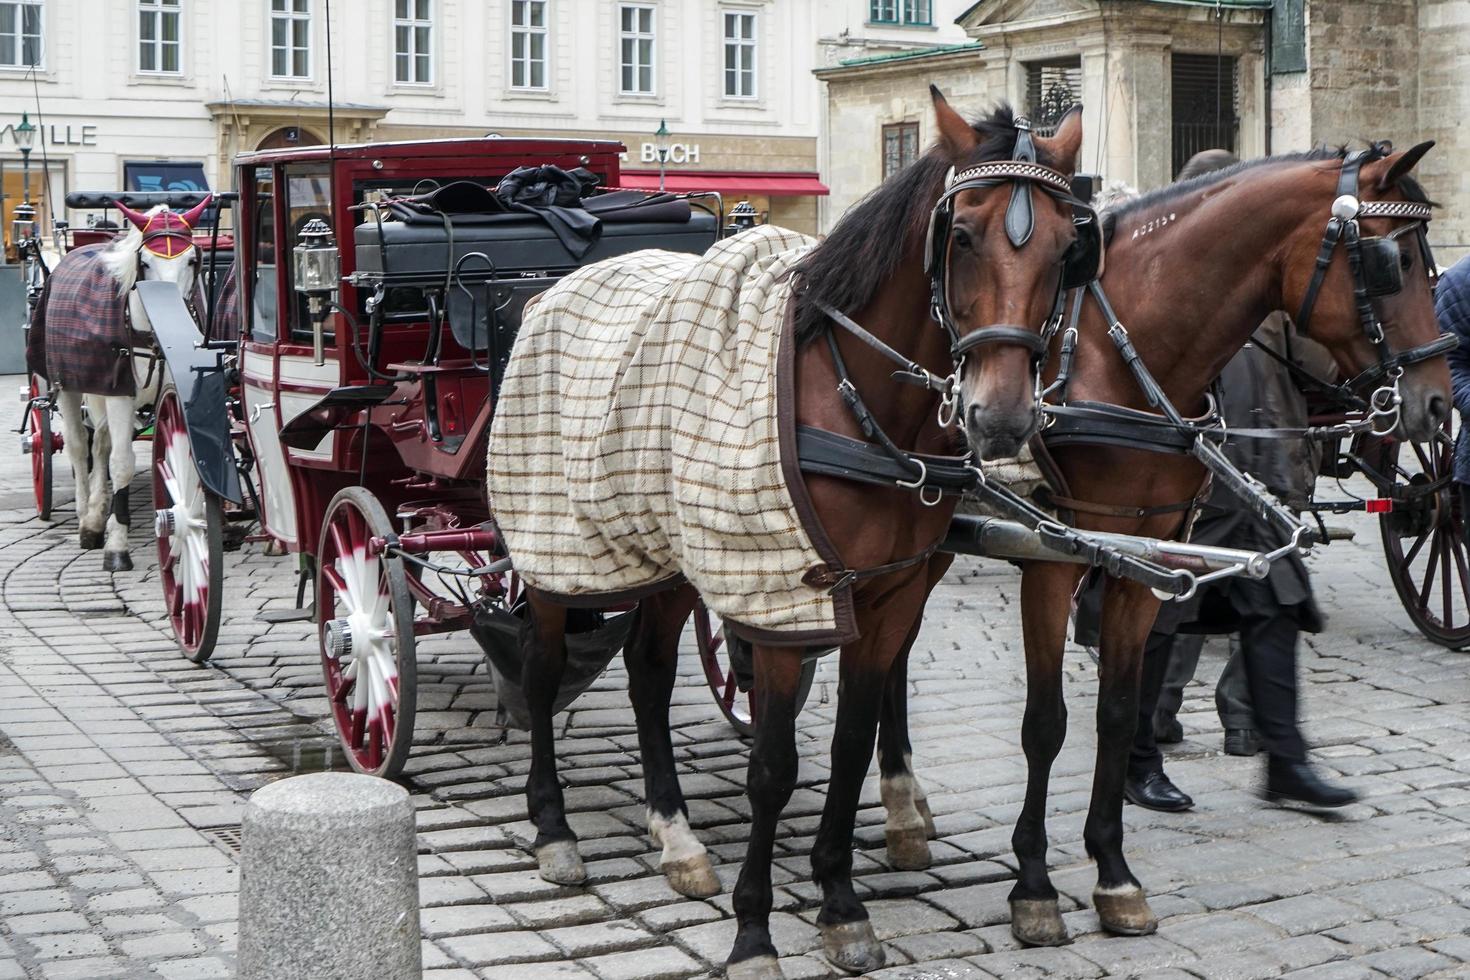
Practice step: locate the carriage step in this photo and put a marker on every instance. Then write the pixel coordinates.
(286, 615)
(1336, 532)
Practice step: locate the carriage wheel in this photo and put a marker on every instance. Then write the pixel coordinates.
(188, 523)
(366, 636)
(1424, 539)
(39, 442)
(726, 658)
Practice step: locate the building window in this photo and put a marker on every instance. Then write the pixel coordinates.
(528, 44)
(159, 46)
(635, 48)
(1204, 106)
(20, 33)
(900, 147)
(1052, 89)
(739, 56)
(413, 42)
(291, 38)
(913, 13)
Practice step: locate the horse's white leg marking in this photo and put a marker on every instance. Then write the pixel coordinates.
(684, 861)
(909, 825)
(74, 435)
(120, 463)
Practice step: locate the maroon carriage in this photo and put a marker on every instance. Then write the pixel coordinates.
(381, 289)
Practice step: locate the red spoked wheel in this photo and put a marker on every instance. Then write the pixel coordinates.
(40, 443)
(1424, 538)
(365, 616)
(730, 671)
(188, 523)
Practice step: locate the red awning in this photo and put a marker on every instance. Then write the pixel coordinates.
(729, 184)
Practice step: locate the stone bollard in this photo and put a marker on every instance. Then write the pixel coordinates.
(329, 881)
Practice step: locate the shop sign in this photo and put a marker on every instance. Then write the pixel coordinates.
(678, 153)
(80, 135)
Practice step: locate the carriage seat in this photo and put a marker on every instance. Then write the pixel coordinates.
(504, 259)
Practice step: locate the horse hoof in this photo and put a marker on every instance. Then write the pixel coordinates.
(908, 849)
(1124, 910)
(117, 561)
(756, 968)
(852, 946)
(89, 540)
(1038, 922)
(922, 805)
(560, 863)
(692, 877)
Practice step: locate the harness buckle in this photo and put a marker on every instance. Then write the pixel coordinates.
(919, 483)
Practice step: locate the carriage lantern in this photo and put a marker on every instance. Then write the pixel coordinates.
(318, 268)
(742, 218)
(23, 222)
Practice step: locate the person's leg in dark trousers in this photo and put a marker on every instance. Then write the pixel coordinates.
(1268, 648)
(1233, 702)
(1146, 784)
(1183, 661)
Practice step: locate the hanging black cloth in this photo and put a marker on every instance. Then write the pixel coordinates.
(554, 195)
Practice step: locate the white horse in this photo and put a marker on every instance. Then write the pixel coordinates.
(158, 245)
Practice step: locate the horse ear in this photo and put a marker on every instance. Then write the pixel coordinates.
(138, 218)
(1400, 164)
(1066, 144)
(959, 137)
(191, 217)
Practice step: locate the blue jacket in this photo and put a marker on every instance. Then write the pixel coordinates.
(1452, 306)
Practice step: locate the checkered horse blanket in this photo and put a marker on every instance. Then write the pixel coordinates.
(636, 439)
(79, 338)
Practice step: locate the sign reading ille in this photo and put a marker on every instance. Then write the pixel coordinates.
(84, 134)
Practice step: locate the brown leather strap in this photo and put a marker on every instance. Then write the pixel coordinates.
(1118, 510)
(836, 578)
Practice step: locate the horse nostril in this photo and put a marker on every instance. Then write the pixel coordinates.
(1439, 409)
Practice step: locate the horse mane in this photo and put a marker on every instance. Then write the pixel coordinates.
(1410, 187)
(847, 268)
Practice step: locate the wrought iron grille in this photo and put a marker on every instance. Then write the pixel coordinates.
(1205, 109)
(1052, 87)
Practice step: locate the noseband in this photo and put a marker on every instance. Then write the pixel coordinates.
(1374, 265)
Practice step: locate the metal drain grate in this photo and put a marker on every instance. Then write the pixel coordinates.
(227, 837)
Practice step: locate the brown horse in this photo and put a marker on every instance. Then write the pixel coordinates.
(998, 285)
(1191, 271)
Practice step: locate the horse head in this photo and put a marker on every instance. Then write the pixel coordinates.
(1003, 243)
(1363, 288)
(159, 245)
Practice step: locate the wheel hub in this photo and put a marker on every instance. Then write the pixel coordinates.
(27, 443)
(164, 522)
(338, 638)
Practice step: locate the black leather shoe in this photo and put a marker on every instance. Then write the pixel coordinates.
(1288, 780)
(1241, 741)
(1154, 791)
(1167, 730)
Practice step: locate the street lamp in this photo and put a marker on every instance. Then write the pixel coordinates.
(661, 144)
(24, 217)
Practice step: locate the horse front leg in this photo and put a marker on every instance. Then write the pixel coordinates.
(1046, 592)
(910, 824)
(543, 645)
(769, 782)
(652, 657)
(78, 451)
(1128, 613)
(121, 462)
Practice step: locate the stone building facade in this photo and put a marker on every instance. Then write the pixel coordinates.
(1291, 74)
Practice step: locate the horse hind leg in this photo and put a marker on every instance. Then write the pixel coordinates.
(121, 462)
(910, 824)
(543, 645)
(651, 656)
(78, 451)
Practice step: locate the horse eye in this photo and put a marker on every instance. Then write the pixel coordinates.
(1405, 261)
(962, 239)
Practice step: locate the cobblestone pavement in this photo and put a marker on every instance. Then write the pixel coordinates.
(124, 768)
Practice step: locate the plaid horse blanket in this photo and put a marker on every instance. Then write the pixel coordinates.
(79, 337)
(638, 438)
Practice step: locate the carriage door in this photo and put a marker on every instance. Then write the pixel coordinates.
(258, 367)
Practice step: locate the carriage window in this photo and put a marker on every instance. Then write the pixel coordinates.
(263, 277)
(308, 195)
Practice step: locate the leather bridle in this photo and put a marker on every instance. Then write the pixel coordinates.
(1366, 257)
